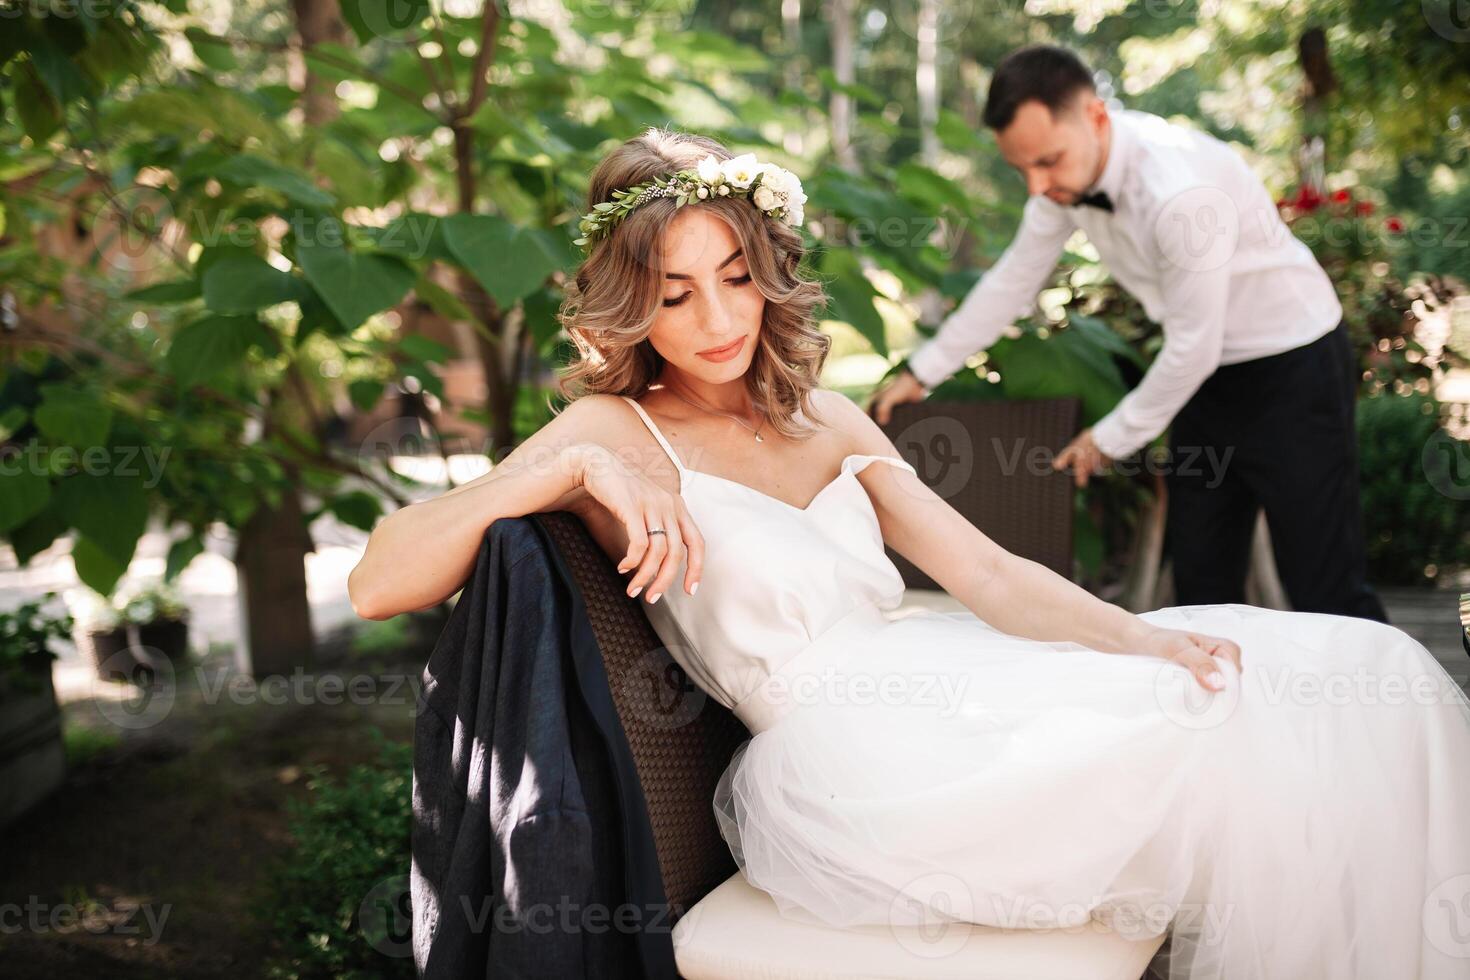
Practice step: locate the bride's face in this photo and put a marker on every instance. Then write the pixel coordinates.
(709, 301)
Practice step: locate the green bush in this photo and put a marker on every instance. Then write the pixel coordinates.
(338, 901)
(1414, 490)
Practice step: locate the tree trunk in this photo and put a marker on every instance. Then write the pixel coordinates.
(927, 80)
(276, 635)
(501, 382)
(270, 558)
(318, 22)
(843, 32)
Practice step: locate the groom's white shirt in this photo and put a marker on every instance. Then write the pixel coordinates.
(1194, 236)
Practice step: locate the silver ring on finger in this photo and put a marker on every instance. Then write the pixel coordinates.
(657, 530)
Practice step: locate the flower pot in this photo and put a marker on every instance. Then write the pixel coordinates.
(32, 757)
(107, 651)
(169, 637)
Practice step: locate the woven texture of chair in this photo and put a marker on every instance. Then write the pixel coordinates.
(991, 460)
(681, 739)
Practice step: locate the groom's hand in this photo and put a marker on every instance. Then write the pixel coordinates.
(1083, 456)
(903, 388)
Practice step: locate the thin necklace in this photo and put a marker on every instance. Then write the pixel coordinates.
(756, 430)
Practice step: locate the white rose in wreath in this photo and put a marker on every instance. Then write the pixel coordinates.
(709, 170)
(740, 171)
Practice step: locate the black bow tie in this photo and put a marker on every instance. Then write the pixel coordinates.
(1097, 199)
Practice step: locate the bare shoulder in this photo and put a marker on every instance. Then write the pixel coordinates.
(861, 433)
(605, 419)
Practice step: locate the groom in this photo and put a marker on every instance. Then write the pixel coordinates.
(1255, 369)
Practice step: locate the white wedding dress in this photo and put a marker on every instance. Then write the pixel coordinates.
(1312, 820)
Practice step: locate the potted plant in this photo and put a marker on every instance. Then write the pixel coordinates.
(32, 758)
(161, 619)
(100, 633)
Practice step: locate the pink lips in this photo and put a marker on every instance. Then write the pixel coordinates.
(724, 353)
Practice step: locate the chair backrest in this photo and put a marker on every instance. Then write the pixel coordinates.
(681, 739)
(992, 461)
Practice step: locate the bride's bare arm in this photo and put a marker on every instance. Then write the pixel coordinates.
(422, 554)
(1014, 594)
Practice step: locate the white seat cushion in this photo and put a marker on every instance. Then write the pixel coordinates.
(736, 933)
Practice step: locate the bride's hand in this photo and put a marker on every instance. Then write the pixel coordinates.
(1195, 651)
(639, 504)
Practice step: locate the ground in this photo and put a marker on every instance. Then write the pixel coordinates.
(182, 816)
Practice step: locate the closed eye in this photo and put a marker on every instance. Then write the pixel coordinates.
(737, 281)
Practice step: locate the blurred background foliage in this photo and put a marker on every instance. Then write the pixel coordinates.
(224, 222)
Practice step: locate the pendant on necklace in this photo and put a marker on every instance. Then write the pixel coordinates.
(759, 438)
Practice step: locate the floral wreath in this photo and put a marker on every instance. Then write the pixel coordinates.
(775, 190)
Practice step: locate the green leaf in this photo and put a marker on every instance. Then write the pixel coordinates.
(334, 62)
(207, 347)
(23, 493)
(441, 300)
(40, 114)
(95, 567)
(110, 510)
(247, 170)
(246, 283)
(63, 79)
(851, 296)
(180, 554)
(358, 509)
(1065, 365)
(11, 420)
(1101, 335)
(365, 393)
(214, 52)
(511, 262)
(422, 348)
(956, 134)
(370, 19)
(933, 190)
(72, 417)
(413, 237)
(541, 308)
(166, 292)
(37, 534)
(353, 285)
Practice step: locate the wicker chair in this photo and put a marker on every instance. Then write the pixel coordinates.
(682, 740)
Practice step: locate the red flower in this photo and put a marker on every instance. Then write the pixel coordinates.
(1365, 207)
(1395, 225)
(1307, 199)
(1341, 197)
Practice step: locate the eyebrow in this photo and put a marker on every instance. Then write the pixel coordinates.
(733, 256)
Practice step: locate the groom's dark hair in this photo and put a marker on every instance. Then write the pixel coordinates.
(1047, 73)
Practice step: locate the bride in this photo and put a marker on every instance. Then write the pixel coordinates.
(1285, 794)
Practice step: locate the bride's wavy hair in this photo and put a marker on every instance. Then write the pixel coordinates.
(613, 296)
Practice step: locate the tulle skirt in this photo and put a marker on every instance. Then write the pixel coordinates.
(1310, 820)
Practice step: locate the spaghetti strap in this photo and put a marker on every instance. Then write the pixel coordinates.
(673, 456)
(860, 462)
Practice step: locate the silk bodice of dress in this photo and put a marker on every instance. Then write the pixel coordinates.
(783, 587)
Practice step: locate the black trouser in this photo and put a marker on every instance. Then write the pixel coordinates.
(1274, 433)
